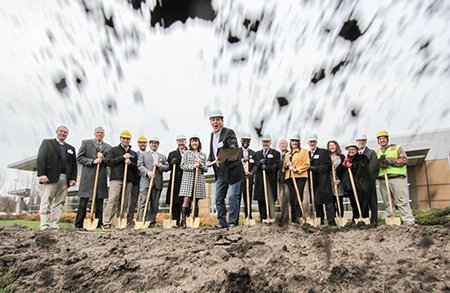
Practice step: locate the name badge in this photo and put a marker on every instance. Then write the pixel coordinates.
(270, 156)
(219, 145)
(316, 156)
(70, 151)
(251, 161)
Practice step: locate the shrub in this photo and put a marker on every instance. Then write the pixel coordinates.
(433, 216)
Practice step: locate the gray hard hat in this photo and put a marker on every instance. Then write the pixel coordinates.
(266, 138)
(215, 113)
(181, 136)
(313, 137)
(361, 137)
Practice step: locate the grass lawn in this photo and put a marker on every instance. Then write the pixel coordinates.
(33, 224)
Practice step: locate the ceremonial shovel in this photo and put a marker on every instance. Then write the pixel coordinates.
(340, 221)
(315, 221)
(121, 222)
(266, 195)
(91, 223)
(145, 224)
(299, 199)
(192, 222)
(248, 221)
(390, 220)
(355, 194)
(169, 223)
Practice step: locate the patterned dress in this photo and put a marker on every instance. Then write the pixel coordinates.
(187, 181)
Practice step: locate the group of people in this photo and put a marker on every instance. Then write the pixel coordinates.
(242, 174)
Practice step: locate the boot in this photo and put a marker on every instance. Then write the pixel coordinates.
(185, 212)
(196, 212)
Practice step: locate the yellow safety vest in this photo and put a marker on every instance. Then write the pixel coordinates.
(391, 153)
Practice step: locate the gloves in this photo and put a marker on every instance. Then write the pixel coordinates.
(347, 163)
(383, 162)
(175, 161)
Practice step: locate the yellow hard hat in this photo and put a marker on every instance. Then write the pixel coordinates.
(142, 139)
(382, 133)
(125, 134)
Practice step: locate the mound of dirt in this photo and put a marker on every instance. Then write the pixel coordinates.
(243, 259)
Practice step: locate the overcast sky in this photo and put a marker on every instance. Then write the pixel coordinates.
(164, 82)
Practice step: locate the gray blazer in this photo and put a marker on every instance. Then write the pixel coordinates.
(86, 155)
(145, 165)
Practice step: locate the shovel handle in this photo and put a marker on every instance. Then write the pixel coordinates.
(172, 184)
(94, 192)
(124, 187)
(355, 192)
(247, 188)
(266, 195)
(147, 200)
(333, 173)
(299, 199)
(388, 193)
(195, 192)
(311, 184)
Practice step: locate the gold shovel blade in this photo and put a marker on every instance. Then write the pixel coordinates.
(138, 225)
(90, 224)
(252, 222)
(393, 221)
(196, 223)
(167, 223)
(120, 223)
(189, 222)
(309, 221)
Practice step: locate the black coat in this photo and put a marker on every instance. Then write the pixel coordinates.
(252, 166)
(361, 175)
(178, 175)
(232, 171)
(272, 162)
(321, 168)
(114, 159)
(374, 165)
(49, 161)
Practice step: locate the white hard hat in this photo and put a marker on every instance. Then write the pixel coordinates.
(351, 145)
(295, 137)
(194, 136)
(181, 136)
(361, 137)
(266, 138)
(313, 137)
(154, 138)
(246, 136)
(215, 113)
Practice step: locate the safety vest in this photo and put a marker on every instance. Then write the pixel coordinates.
(391, 153)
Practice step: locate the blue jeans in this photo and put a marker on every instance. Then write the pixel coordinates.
(233, 201)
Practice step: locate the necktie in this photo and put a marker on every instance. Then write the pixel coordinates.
(265, 153)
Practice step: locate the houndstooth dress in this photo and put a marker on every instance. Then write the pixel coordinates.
(187, 181)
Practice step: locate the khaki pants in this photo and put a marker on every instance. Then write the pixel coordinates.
(53, 196)
(399, 192)
(114, 200)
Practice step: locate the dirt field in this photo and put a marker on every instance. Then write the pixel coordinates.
(243, 259)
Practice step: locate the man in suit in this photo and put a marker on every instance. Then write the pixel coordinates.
(116, 159)
(175, 159)
(321, 170)
(90, 155)
(361, 141)
(228, 174)
(247, 157)
(57, 170)
(142, 144)
(146, 162)
(268, 159)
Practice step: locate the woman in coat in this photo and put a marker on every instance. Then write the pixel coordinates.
(295, 166)
(337, 158)
(359, 164)
(192, 159)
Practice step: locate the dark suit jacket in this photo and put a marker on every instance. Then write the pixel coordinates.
(272, 162)
(114, 159)
(374, 163)
(49, 161)
(252, 167)
(321, 168)
(231, 171)
(178, 175)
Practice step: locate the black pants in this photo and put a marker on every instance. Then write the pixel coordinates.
(132, 203)
(176, 212)
(363, 202)
(296, 212)
(329, 208)
(262, 209)
(243, 196)
(372, 204)
(341, 203)
(81, 212)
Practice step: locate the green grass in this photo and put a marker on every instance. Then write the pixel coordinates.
(7, 282)
(33, 224)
